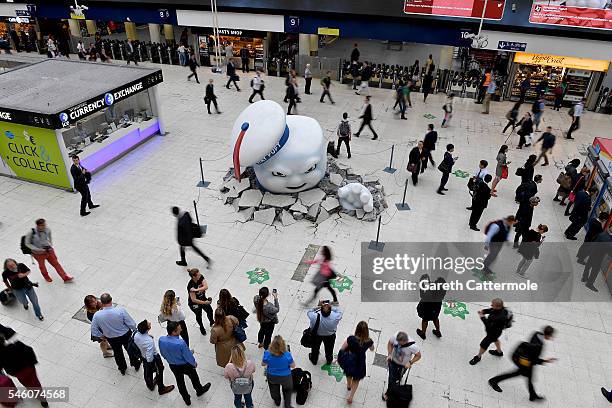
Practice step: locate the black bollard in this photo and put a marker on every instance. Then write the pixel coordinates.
(202, 227)
(376, 245)
(403, 206)
(202, 183)
(390, 168)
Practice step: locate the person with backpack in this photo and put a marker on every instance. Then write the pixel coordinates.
(152, 362)
(19, 360)
(576, 114)
(480, 201)
(526, 357)
(186, 232)
(278, 363)
(267, 316)
(512, 117)
(239, 371)
(548, 142)
(230, 71)
(326, 84)
(344, 135)
(538, 110)
(352, 357)
(530, 248)
(496, 234)
(448, 110)
(527, 189)
(524, 217)
(40, 245)
(495, 319)
(325, 319)
(15, 277)
(257, 84)
(402, 354)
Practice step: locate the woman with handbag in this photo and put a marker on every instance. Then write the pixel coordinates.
(239, 371)
(566, 181)
(222, 336)
(578, 185)
(526, 129)
(446, 167)
(415, 159)
(231, 306)
(352, 358)
(501, 171)
(170, 311)
(267, 316)
(278, 363)
(325, 274)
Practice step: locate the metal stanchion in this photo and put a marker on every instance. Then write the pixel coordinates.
(403, 206)
(203, 228)
(376, 245)
(202, 183)
(390, 168)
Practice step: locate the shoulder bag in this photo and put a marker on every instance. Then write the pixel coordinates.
(309, 334)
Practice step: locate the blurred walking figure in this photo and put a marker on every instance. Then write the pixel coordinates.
(186, 232)
(324, 275)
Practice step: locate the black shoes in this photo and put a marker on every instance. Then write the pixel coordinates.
(122, 371)
(202, 390)
(495, 386)
(421, 334)
(496, 353)
(437, 333)
(94, 206)
(203, 331)
(440, 192)
(181, 263)
(475, 360)
(536, 397)
(474, 228)
(85, 213)
(593, 288)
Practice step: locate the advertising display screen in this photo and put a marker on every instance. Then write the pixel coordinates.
(32, 153)
(573, 13)
(456, 8)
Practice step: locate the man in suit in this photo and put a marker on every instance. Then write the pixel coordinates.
(185, 236)
(366, 119)
(131, 51)
(231, 74)
(598, 250)
(429, 145)
(596, 227)
(244, 57)
(210, 97)
(580, 212)
(82, 177)
(480, 201)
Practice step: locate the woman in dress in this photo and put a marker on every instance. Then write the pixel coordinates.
(171, 311)
(429, 307)
(502, 162)
(355, 368)
(222, 336)
(92, 305)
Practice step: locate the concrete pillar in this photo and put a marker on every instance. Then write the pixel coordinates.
(304, 44)
(169, 32)
(91, 27)
(314, 44)
(130, 30)
(154, 32)
(75, 28)
(446, 58)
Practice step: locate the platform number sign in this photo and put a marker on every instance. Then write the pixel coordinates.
(164, 15)
(293, 24)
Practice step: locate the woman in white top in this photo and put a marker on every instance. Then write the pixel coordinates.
(171, 311)
(81, 50)
(51, 47)
(308, 78)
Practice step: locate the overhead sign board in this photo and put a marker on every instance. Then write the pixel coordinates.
(595, 14)
(559, 61)
(456, 8)
(511, 46)
(328, 31)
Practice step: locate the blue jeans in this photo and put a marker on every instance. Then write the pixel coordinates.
(182, 59)
(23, 294)
(248, 400)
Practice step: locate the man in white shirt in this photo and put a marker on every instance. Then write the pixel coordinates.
(258, 86)
(153, 363)
(402, 353)
(578, 108)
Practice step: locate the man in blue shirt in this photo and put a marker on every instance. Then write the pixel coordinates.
(181, 361)
(496, 234)
(326, 332)
(491, 88)
(152, 361)
(114, 323)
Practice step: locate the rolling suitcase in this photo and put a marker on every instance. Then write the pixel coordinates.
(399, 395)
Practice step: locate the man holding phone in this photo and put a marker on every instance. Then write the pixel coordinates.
(198, 301)
(329, 318)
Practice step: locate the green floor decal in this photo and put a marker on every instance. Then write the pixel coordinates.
(429, 116)
(333, 370)
(341, 283)
(461, 174)
(258, 275)
(456, 309)
(481, 276)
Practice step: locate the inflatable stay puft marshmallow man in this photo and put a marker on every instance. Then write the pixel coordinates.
(288, 153)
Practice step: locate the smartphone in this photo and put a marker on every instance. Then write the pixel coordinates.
(273, 290)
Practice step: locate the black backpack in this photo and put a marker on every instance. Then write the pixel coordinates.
(133, 350)
(522, 355)
(6, 298)
(24, 248)
(509, 319)
(302, 383)
(344, 129)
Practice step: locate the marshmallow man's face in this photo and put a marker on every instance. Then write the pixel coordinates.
(300, 164)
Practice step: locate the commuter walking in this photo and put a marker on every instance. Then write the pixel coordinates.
(576, 114)
(446, 167)
(496, 234)
(15, 277)
(324, 275)
(599, 250)
(490, 91)
(416, 157)
(19, 360)
(193, 66)
(548, 142)
(429, 145)
(427, 85)
(480, 201)
(366, 74)
(580, 213)
(344, 135)
(257, 84)
(352, 357)
(181, 361)
(525, 131)
(82, 178)
(307, 79)
(291, 96)
(512, 117)
(278, 363)
(501, 171)
(197, 300)
(526, 357)
(40, 242)
(400, 100)
(170, 311)
(222, 336)
(116, 325)
(524, 87)
(131, 52)
(326, 84)
(495, 319)
(524, 218)
(210, 97)
(230, 71)
(153, 366)
(429, 306)
(538, 110)
(239, 371)
(186, 232)
(402, 354)
(245, 56)
(448, 110)
(530, 248)
(324, 319)
(366, 118)
(92, 305)
(182, 53)
(596, 227)
(267, 316)
(607, 394)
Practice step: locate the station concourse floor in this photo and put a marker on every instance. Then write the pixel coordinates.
(127, 247)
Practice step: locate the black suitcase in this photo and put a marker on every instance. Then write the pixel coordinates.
(6, 297)
(399, 395)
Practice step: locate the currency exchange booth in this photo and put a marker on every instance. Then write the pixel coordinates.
(54, 109)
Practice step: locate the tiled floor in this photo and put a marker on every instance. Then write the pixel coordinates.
(127, 247)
